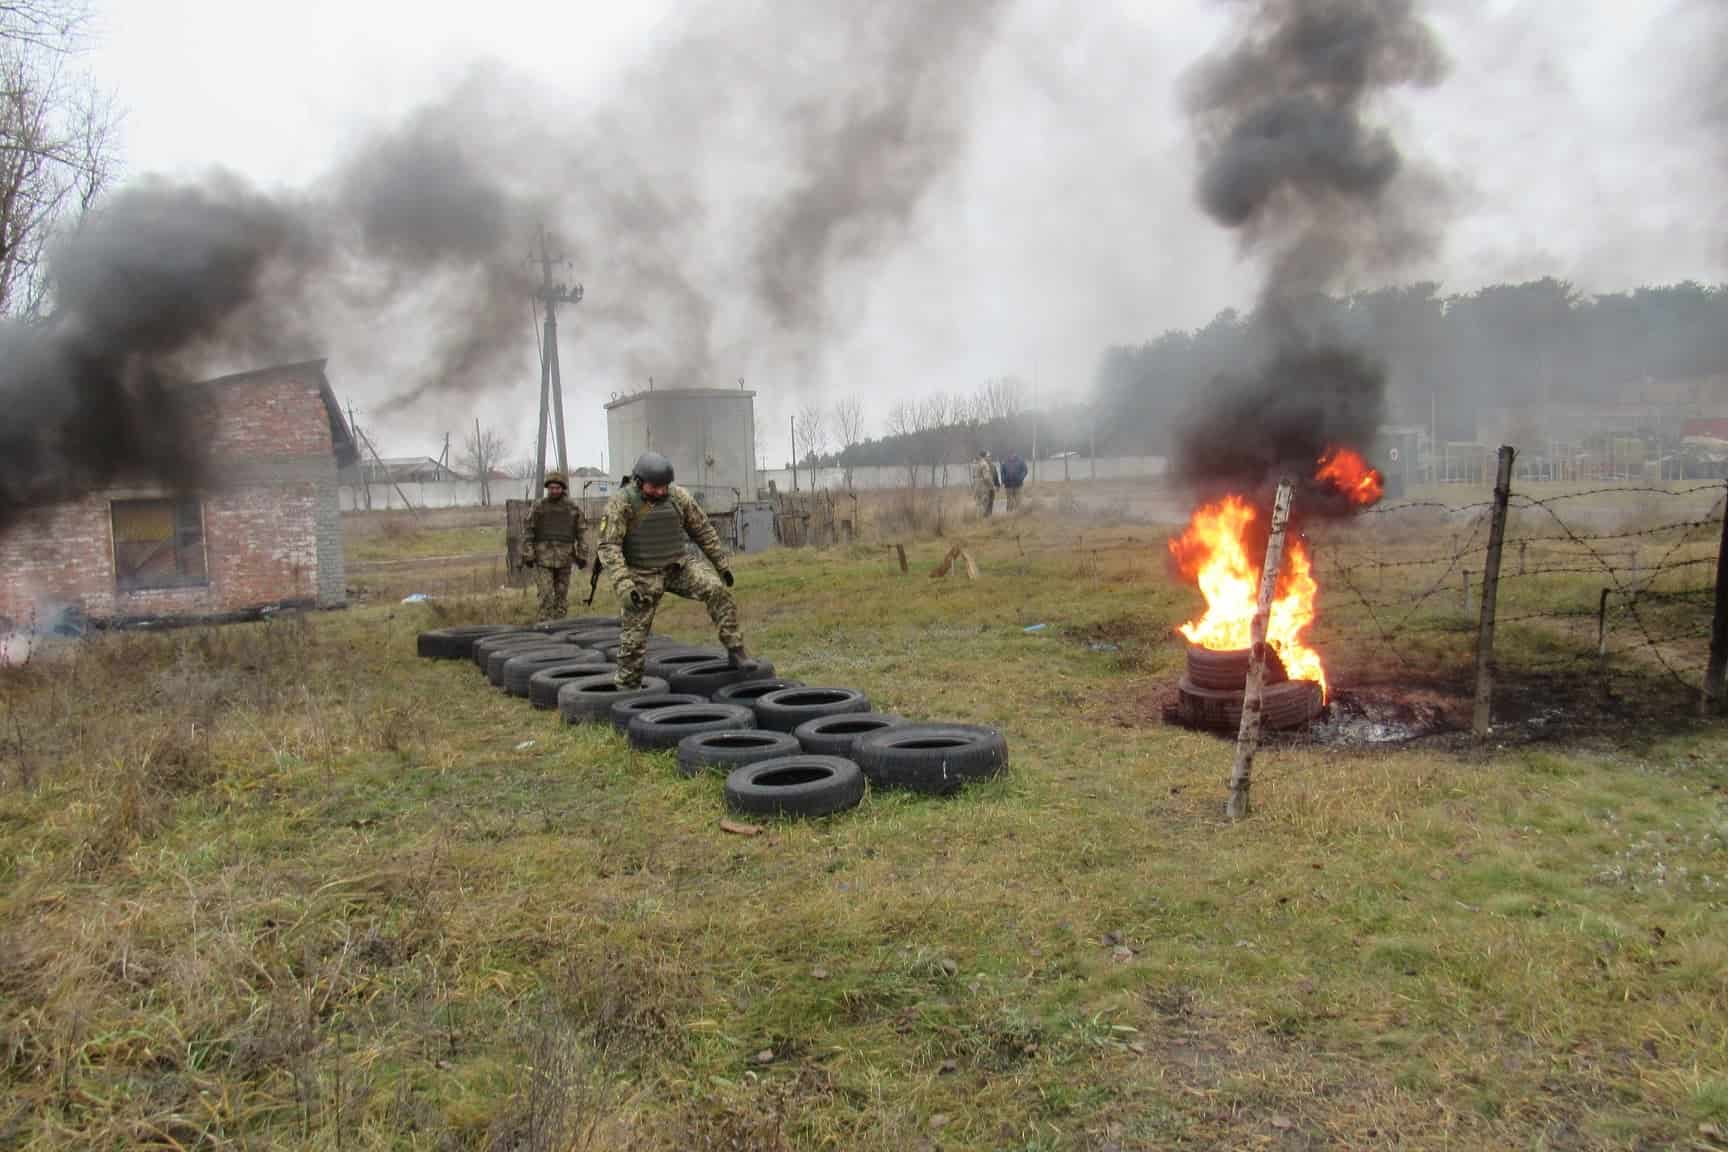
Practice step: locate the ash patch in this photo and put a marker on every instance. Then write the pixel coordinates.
(1381, 717)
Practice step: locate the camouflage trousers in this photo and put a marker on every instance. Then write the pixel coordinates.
(692, 581)
(986, 498)
(554, 586)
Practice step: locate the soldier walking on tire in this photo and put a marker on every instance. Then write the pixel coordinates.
(984, 484)
(643, 543)
(552, 545)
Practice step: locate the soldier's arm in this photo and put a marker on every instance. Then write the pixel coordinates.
(701, 530)
(614, 523)
(581, 545)
(530, 531)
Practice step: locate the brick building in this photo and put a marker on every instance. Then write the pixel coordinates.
(266, 532)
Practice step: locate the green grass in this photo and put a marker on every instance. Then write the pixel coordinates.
(285, 885)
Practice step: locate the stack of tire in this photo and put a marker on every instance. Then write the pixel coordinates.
(788, 749)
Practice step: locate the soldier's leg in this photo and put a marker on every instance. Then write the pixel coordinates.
(634, 625)
(544, 583)
(700, 582)
(560, 592)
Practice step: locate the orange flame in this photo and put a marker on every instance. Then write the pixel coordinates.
(1346, 471)
(1213, 551)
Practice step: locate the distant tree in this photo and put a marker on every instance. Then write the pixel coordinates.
(482, 455)
(849, 426)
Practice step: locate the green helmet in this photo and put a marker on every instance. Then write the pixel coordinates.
(557, 478)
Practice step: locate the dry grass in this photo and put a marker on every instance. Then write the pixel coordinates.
(284, 885)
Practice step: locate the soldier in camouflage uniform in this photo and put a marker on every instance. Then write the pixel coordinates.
(984, 484)
(643, 543)
(552, 545)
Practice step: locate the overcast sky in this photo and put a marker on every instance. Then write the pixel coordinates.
(1565, 133)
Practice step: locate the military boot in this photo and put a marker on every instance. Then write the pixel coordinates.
(740, 659)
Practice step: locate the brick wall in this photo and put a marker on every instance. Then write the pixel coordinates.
(272, 531)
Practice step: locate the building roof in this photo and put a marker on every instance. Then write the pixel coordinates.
(310, 371)
(678, 393)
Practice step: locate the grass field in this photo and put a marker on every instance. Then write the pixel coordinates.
(286, 886)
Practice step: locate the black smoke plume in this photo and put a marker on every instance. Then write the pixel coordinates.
(721, 207)
(1293, 162)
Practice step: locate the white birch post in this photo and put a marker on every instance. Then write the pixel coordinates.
(1248, 735)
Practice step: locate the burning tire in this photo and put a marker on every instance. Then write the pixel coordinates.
(729, 750)
(750, 691)
(625, 711)
(590, 699)
(705, 680)
(839, 735)
(784, 710)
(544, 685)
(795, 786)
(455, 643)
(665, 727)
(1283, 706)
(1228, 670)
(933, 758)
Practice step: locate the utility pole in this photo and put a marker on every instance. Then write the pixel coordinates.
(551, 295)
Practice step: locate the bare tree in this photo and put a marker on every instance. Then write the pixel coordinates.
(484, 453)
(810, 430)
(904, 426)
(999, 399)
(57, 142)
(849, 424)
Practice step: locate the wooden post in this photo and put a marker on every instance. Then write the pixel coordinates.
(1523, 545)
(1491, 594)
(1715, 692)
(1248, 735)
(1464, 593)
(1602, 639)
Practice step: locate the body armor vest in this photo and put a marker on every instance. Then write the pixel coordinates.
(557, 522)
(657, 539)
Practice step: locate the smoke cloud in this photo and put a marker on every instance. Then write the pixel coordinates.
(1294, 163)
(725, 207)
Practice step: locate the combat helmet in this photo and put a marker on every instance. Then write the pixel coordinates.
(652, 468)
(557, 478)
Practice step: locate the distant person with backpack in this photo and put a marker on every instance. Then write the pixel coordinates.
(1013, 479)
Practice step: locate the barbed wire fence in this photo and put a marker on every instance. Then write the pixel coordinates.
(1592, 585)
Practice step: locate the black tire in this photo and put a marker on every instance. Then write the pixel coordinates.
(934, 758)
(750, 691)
(486, 645)
(1290, 704)
(670, 664)
(665, 727)
(544, 685)
(784, 710)
(839, 735)
(500, 659)
(1227, 671)
(795, 786)
(577, 624)
(520, 669)
(729, 750)
(455, 643)
(625, 711)
(590, 699)
(593, 637)
(657, 646)
(706, 679)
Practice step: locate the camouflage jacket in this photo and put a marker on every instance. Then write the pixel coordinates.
(533, 545)
(620, 516)
(983, 474)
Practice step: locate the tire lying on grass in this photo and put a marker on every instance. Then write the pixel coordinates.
(595, 638)
(499, 660)
(669, 664)
(486, 645)
(935, 758)
(589, 700)
(519, 670)
(795, 786)
(665, 727)
(839, 735)
(729, 750)
(455, 643)
(577, 624)
(705, 680)
(1289, 704)
(544, 685)
(1228, 670)
(657, 646)
(750, 691)
(625, 711)
(784, 710)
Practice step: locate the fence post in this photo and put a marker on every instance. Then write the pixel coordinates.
(1602, 639)
(1248, 735)
(1491, 593)
(1715, 698)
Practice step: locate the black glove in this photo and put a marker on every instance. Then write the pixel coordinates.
(529, 560)
(726, 577)
(581, 564)
(638, 601)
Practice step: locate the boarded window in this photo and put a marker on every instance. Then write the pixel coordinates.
(158, 544)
